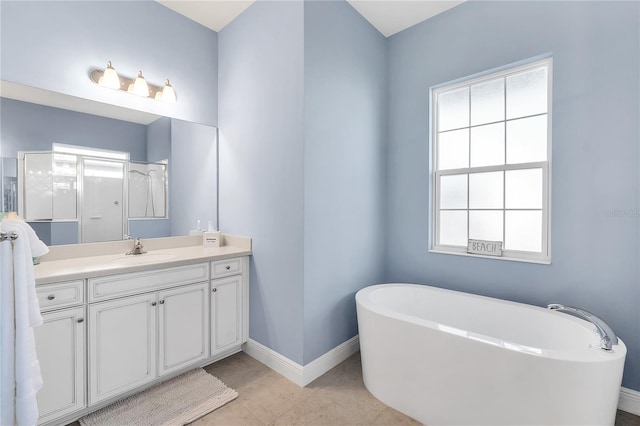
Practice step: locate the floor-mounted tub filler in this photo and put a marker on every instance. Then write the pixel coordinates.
(446, 357)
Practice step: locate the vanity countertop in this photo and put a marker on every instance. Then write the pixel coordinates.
(79, 267)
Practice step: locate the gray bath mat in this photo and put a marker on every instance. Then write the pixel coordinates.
(173, 403)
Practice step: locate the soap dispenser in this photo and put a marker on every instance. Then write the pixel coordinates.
(198, 230)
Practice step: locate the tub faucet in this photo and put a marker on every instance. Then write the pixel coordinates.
(138, 248)
(607, 336)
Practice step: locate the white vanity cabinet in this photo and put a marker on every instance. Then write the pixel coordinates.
(226, 314)
(122, 345)
(106, 337)
(135, 339)
(229, 313)
(60, 344)
(183, 327)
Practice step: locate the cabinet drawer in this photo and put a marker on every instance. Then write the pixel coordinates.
(112, 286)
(224, 268)
(54, 296)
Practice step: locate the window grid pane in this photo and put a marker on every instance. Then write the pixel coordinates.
(453, 149)
(486, 190)
(453, 192)
(453, 108)
(526, 139)
(523, 230)
(499, 145)
(486, 225)
(523, 189)
(453, 227)
(488, 102)
(487, 145)
(527, 93)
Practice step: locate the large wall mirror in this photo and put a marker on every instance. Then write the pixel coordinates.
(81, 171)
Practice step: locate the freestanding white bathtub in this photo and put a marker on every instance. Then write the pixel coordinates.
(445, 357)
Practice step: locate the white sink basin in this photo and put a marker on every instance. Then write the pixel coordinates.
(135, 259)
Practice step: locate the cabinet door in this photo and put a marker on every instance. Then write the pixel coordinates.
(184, 326)
(122, 345)
(226, 313)
(60, 349)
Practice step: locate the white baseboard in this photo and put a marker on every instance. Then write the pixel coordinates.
(298, 374)
(272, 359)
(629, 401)
(326, 362)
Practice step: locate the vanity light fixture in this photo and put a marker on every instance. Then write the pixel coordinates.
(110, 77)
(167, 94)
(138, 86)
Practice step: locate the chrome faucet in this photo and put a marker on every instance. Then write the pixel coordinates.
(138, 248)
(607, 336)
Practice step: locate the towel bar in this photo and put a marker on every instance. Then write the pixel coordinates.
(4, 236)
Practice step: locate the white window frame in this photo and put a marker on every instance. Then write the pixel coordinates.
(513, 255)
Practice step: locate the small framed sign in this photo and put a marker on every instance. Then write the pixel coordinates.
(487, 248)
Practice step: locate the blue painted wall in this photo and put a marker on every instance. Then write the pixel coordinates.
(261, 162)
(159, 140)
(29, 127)
(595, 171)
(54, 45)
(345, 100)
(302, 118)
(62, 233)
(192, 176)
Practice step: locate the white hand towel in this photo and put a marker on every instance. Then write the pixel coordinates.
(21, 352)
(7, 337)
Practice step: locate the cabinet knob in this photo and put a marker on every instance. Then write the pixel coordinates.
(162, 302)
(228, 267)
(51, 296)
(214, 290)
(153, 303)
(80, 320)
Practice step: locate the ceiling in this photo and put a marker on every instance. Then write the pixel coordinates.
(214, 14)
(387, 16)
(392, 16)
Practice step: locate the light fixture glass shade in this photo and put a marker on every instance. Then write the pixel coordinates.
(168, 94)
(139, 86)
(110, 77)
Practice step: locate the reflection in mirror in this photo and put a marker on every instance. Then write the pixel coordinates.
(47, 184)
(61, 186)
(151, 142)
(147, 190)
(9, 184)
(102, 213)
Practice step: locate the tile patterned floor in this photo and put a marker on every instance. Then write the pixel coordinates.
(337, 398)
(625, 419)
(266, 398)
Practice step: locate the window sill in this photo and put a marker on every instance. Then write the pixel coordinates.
(510, 259)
